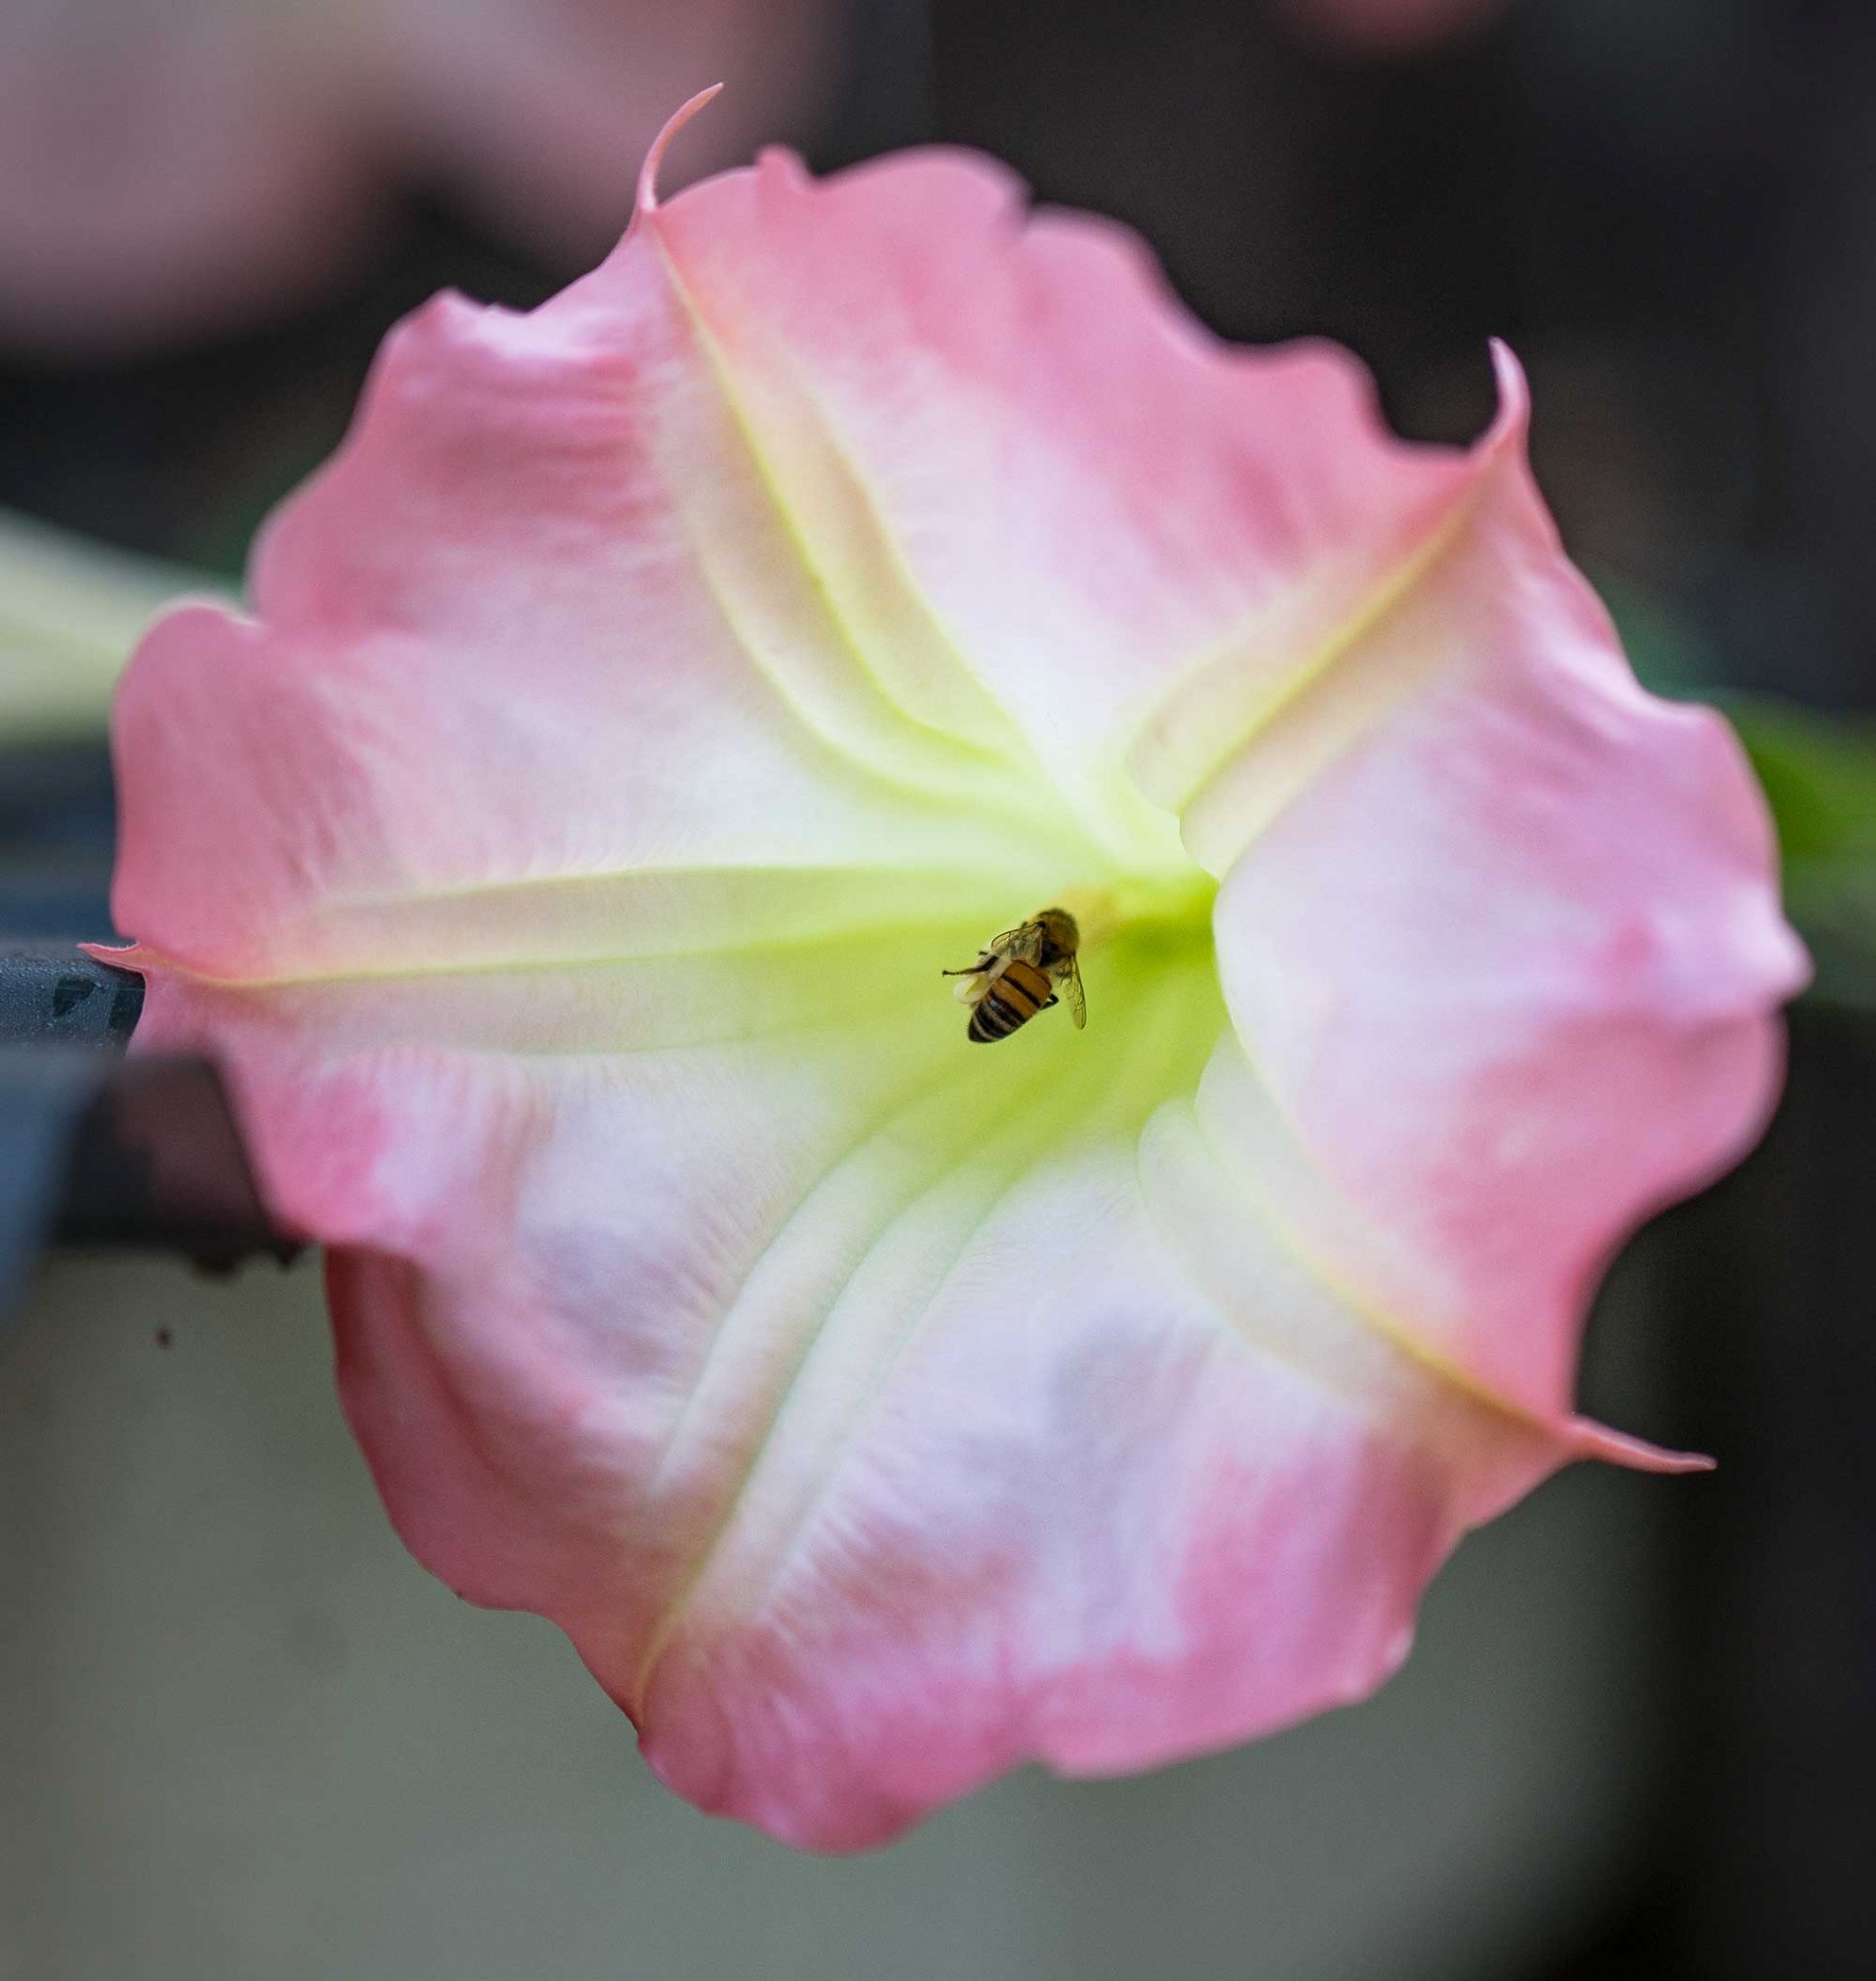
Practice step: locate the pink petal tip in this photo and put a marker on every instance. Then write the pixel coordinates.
(1595, 1441)
(646, 200)
(119, 956)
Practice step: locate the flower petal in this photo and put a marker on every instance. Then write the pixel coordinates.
(873, 1414)
(904, 333)
(1502, 932)
(527, 502)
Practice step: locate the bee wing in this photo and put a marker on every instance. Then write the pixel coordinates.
(1070, 982)
(1025, 941)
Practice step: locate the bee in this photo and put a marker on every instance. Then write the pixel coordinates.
(1020, 972)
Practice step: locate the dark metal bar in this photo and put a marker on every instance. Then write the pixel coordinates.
(52, 994)
(100, 1149)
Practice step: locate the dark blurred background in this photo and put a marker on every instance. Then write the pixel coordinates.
(1669, 208)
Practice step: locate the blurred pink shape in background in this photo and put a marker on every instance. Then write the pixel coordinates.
(1389, 26)
(170, 171)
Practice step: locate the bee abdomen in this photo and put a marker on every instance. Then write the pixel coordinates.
(1011, 1000)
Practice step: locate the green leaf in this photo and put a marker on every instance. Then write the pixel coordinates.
(70, 611)
(1819, 772)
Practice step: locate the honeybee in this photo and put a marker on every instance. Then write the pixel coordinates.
(1020, 972)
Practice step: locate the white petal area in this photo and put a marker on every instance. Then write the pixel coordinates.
(1092, 1509)
(550, 668)
(1029, 476)
(874, 1410)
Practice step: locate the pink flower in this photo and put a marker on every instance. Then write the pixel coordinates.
(655, 694)
(165, 170)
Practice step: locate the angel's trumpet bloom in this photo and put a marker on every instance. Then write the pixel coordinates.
(656, 692)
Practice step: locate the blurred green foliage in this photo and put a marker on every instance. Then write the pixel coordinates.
(1819, 772)
(70, 610)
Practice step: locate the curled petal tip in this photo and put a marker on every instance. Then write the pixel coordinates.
(646, 200)
(1513, 413)
(119, 956)
(1593, 1440)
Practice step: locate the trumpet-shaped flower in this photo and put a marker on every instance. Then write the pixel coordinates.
(655, 694)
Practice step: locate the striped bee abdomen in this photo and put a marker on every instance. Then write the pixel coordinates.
(1016, 994)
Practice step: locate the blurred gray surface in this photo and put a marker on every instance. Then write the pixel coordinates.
(242, 1736)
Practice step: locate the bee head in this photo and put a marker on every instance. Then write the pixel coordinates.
(1060, 934)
